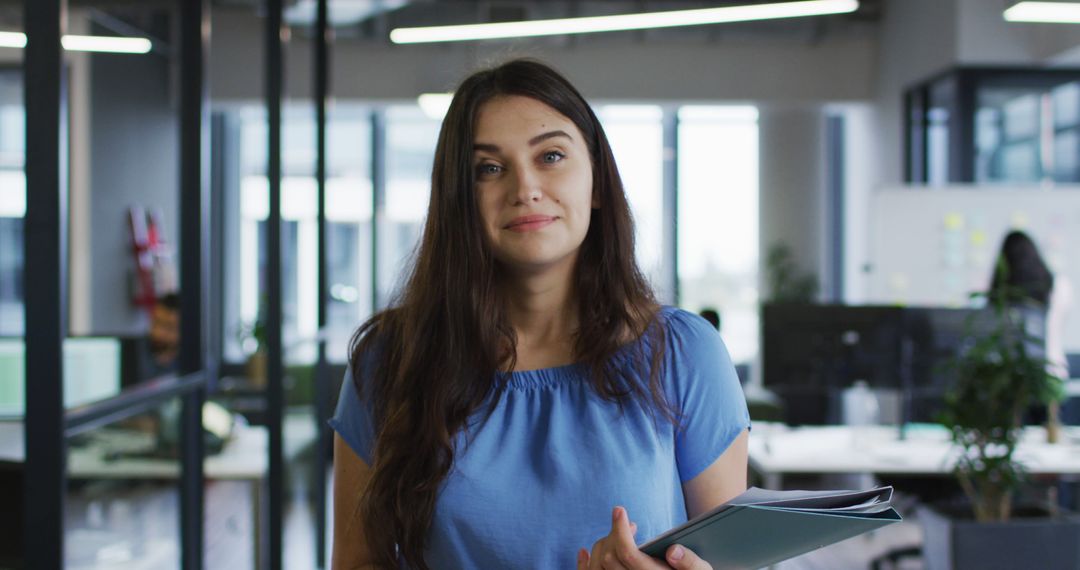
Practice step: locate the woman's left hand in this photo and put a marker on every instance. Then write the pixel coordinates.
(617, 551)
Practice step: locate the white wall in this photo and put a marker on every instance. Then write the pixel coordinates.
(983, 36)
(935, 247)
(792, 186)
(860, 170)
(917, 39)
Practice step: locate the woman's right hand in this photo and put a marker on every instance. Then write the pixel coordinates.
(617, 551)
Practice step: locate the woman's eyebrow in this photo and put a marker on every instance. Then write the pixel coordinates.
(550, 134)
(488, 147)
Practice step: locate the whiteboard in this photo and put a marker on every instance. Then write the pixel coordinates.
(934, 246)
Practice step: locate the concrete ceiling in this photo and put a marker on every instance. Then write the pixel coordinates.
(372, 19)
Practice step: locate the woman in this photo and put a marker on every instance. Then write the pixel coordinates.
(1021, 272)
(526, 396)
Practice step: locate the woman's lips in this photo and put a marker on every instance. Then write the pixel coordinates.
(529, 223)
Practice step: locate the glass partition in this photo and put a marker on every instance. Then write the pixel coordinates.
(348, 213)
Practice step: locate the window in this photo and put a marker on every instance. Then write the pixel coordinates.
(410, 149)
(12, 202)
(348, 216)
(348, 224)
(718, 220)
(636, 135)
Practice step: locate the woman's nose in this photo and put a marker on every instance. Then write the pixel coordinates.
(527, 186)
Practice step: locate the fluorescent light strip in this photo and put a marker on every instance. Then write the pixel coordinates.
(12, 40)
(622, 22)
(106, 44)
(1048, 12)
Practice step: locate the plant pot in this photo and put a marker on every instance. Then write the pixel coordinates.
(953, 539)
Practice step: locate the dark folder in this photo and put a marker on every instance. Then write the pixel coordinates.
(761, 527)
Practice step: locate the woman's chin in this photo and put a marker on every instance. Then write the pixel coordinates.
(537, 264)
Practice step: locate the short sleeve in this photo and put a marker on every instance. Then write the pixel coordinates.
(354, 419)
(705, 388)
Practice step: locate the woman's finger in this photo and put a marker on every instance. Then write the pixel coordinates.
(682, 558)
(582, 559)
(623, 547)
(595, 560)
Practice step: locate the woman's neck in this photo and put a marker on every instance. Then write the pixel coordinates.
(543, 311)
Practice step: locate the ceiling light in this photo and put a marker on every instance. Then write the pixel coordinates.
(107, 44)
(622, 22)
(435, 105)
(12, 39)
(1050, 12)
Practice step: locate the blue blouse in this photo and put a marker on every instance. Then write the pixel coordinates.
(537, 480)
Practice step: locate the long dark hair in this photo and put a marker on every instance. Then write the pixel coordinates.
(1020, 268)
(446, 346)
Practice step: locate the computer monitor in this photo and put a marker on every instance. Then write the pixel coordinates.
(936, 336)
(810, 353)
(91, 372)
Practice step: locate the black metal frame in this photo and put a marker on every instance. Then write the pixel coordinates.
(275, 364)
(914, 125)
(194, 189)
(45, 247)
(48, 426)
(322, 372)
(835, 192)
(131, 402)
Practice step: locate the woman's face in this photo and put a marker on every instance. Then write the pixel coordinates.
(533, 183)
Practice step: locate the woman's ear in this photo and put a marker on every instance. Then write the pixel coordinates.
(595, 199)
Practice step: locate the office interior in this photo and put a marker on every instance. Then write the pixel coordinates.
(833, 186)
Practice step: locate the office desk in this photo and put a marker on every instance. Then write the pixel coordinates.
(776, 450)
(107, 456)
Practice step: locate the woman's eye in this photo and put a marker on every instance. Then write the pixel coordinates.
(553, 156)
(488, 169)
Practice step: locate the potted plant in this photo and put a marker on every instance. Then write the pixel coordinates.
(996, 380)
(788, 283)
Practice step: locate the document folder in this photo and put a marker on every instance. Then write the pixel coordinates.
(761, 527)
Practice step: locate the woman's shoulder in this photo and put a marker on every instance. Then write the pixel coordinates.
(687, 333)
(682, 323)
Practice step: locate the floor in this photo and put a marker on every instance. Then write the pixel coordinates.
(135, 527)
(134, 524)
